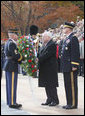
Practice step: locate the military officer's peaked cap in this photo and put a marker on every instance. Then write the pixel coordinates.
(69, 25)
(15, 31)
(33, 30)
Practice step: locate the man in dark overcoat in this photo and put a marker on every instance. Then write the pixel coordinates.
(48, 77)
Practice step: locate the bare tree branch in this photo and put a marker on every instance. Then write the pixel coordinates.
(29, 17)
(8, 8)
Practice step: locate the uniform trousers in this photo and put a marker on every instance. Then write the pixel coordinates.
(71, 88)
(11, 87)
(51, 93)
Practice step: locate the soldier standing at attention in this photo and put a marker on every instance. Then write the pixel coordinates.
(70, 62)
(11, 68)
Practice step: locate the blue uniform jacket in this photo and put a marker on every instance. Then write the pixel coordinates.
(12, 56)
(70, 53)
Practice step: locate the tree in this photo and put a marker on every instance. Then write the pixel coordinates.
(80, 4)
(22, 14)
(15, 13)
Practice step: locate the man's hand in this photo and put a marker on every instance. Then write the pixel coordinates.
(74, 69)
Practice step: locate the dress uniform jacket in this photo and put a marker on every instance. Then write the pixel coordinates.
(70, 58)
(70, 53)
(12, 56)
(47, 65)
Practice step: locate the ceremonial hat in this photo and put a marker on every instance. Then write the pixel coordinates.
(70, 25)
(15, 31)
(33, 30)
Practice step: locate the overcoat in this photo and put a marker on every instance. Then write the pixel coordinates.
(48, 66)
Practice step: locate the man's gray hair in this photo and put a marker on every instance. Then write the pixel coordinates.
(47, 33)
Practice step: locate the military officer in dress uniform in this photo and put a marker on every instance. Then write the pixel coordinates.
(11, 68)
(70, 62)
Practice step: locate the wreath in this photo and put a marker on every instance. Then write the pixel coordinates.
(27, 50)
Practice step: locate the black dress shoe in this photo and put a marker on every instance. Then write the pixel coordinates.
(15, 106)
(20, 105)
(47, 103)
(68, 107)
(73, 107)
(64, 107)
(53, 104)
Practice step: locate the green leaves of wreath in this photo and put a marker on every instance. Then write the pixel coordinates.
(26, 49)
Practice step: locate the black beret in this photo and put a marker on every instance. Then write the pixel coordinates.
(69, 25)
(33, 30)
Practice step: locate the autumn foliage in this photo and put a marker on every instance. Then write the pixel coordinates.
(22, 14)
